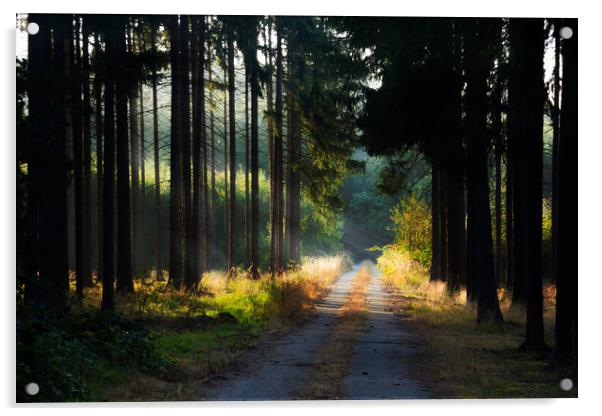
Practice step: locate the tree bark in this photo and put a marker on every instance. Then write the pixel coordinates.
(125, 283)
(566, 280)
(99, 158)
(135, 164)
(158, 237)
(232, 131)
(526, 115)
(477, 36)
(176, 197)
(278, 155)
(108, 281)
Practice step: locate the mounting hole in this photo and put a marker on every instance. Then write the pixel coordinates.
(32, 389)
(566, 384)
(33, 28)
(566, 32)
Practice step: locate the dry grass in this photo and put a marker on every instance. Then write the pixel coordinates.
(326, 380)
(466, 360)
(203, 334)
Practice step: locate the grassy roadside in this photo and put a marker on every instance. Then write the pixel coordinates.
(326, 379)
(463, 360)
(161, 343)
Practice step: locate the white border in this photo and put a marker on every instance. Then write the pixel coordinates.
(590, 201)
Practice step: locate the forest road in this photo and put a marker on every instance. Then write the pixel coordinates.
(379, 367)
(277, 369)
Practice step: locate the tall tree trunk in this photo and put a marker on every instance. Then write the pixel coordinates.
(435, 216)
(509, 220)
(247, 199)
(125, 283)
(108, 281)
(526, 116)
(555, 149)
(135, 165)
(197, 153)
(158, 237)
(497, 131)
(176, 196)
(294, 147)
(142, 242)
(566, 280)
(189, 277)
(78, 154)
(271, 151)
(204, 152)
(86, 159)
(478, 34)
(39, 101)
(212, 214)
(99, 157)
(226, 190)
(232, 115)
(254, 252)
(278, 155)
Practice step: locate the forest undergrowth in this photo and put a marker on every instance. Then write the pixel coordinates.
(161, 342)
(465, 359)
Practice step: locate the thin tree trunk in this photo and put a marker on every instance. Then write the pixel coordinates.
(87, 159)
(278, 150)
(435, 217)
(212, 214)
(108, 281)
(186, 149)
(254, 254)
(99, 157)
(142, 220)
(158, 236)
(226, 190)
(76, 124)
(555, 149)
(497, 131)
(135, 166)
(271, 152)
(125, 283)
(176, 200)
(232, 201)
(247, 199)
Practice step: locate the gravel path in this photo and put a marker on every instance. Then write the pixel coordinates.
(379, 368)
(277, 369)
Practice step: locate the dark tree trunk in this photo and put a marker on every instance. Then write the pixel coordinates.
(555, 148)
(86, 159)
(294, 147)
(99, 157)
(125, 283)
(188, 244)
(477, 36)
(509, 218)
(108, 281)
(176, 197)
(232, 131)
(78, 155)
(247, 210)
(142, 241)
(226, 190)
(271, 152)
(435, 216)
(526, 115)
(135, 165)
(212, 214)
(443, 240)
(198, 138)
(497, 131)
(204, 152)
(39, 101)
(278, 156)
(254, 229)
(158, 236)
(566, 280)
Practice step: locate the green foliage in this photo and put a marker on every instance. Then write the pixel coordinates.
(412, 219)
(70, 357)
